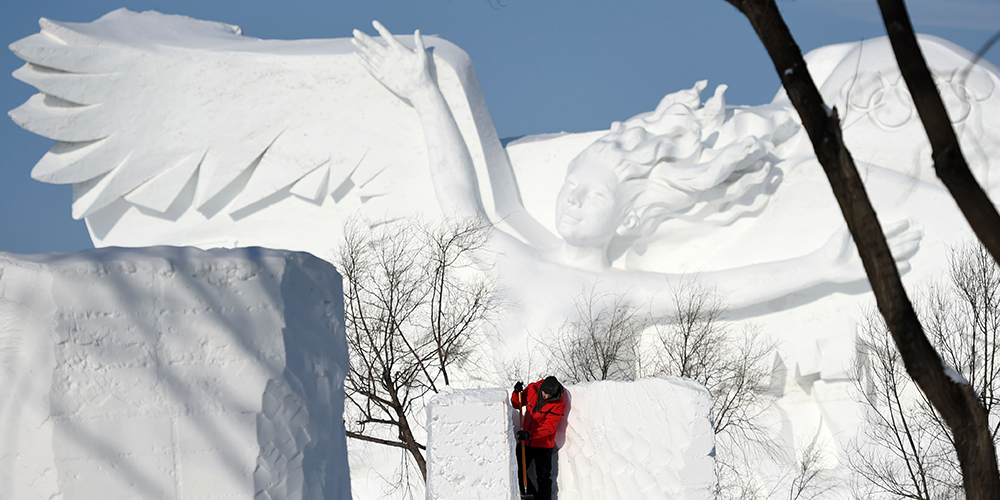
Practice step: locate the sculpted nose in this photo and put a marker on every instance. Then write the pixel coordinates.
(574, 198)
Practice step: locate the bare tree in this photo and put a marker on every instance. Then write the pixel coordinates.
(966, 329)
(906, 449)
(694, 341)
(413, 306)
(804, 478)
(899, 452)
(956, 400)
(601, 343)
(811, 479)
(610, 341)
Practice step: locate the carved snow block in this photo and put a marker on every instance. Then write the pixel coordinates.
(650, 439)
(167, 373)
(470, 449)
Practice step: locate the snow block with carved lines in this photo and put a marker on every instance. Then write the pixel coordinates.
(172, 373)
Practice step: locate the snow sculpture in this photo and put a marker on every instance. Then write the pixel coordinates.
(862, 80)
(470, 445)
(169, 178)
(156, 136)
(650, 438)
(739, 201)
(172, 373)
(684, 161)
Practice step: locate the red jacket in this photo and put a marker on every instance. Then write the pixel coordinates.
(543, 421)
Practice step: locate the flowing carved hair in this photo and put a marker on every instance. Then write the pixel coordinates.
(695, 162)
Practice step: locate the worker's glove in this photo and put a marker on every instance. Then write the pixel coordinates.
(523, 435)
(519, 387)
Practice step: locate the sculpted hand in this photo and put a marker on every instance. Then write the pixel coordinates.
(401, 70)
(845, 264)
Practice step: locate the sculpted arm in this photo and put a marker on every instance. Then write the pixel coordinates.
(836, 261)
(406, 73)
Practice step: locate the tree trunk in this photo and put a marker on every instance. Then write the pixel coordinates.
(956, 401)
(949, 163)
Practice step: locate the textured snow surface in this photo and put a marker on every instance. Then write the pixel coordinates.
(470, 450)
(648, 439)
(172, 373)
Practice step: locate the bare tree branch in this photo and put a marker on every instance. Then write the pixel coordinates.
(409, 317)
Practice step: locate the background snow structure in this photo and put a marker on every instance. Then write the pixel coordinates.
(172, 373)
(649, 439)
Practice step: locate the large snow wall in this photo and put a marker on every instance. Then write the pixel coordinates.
(172, 373)
(649, 439)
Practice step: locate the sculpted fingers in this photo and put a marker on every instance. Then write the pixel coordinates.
(362, 40)
(905, 245)
(401, 70)
(369, 50)
(387, 36)
(367, 65)
(419, 42)
(904, 267)
(896, 228)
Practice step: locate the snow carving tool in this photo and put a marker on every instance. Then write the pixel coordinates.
(524, 461)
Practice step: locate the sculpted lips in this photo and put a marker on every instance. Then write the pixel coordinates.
(569, 218)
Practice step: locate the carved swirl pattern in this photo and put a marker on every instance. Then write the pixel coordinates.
(883, 97)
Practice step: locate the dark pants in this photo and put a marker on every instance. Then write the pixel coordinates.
(542, 458)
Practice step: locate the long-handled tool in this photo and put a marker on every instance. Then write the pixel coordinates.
(524, 461)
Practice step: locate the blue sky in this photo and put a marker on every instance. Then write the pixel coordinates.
(544, 65)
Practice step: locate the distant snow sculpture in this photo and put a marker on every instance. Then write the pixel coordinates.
(172, 373)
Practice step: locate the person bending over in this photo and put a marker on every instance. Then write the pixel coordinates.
(544, 407)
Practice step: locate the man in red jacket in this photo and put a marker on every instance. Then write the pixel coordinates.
(544, 408)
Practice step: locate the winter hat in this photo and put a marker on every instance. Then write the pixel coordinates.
(551, 386)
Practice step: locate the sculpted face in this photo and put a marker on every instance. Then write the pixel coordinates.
(587, 213)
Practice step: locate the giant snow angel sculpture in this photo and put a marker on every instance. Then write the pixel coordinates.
(684, 160)
(210, 138)
(184, 132)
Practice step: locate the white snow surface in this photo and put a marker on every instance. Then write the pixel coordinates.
(171, 373)
(470, 445)
(650, 439)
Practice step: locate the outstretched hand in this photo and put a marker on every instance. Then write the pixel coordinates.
(401, 70)
(902, 236)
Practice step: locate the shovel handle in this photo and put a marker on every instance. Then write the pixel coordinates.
(524, 461)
